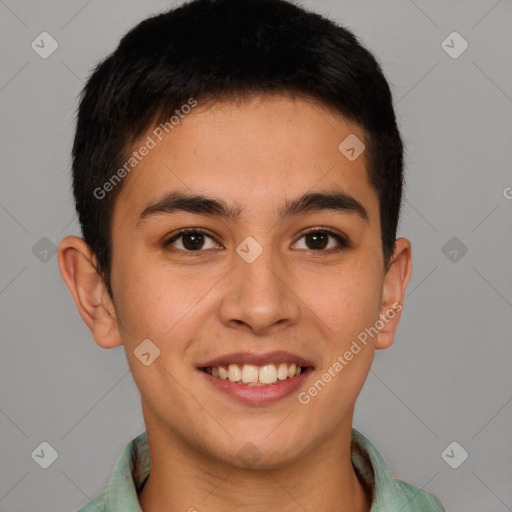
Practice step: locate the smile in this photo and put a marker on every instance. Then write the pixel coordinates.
(257, 379)
(253, 375)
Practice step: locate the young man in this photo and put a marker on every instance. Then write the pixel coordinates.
(237, 172)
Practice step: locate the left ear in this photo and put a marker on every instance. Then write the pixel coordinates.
(393, 292)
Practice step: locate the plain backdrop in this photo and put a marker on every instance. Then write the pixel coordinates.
(447, 377)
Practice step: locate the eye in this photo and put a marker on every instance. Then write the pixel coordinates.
(196, 240)
(318, 240)
(192, 240)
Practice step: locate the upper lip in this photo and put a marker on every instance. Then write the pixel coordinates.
(256, 359)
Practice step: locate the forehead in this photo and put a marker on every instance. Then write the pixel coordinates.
(253, 153)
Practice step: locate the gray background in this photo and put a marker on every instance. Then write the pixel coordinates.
(447, 377)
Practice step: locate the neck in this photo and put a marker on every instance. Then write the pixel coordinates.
(182, 480)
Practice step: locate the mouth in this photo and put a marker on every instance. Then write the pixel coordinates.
(257, 379)
(268, 374)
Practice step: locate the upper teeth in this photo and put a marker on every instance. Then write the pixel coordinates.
(252, 374)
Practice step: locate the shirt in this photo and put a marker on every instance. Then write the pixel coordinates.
(388, 495)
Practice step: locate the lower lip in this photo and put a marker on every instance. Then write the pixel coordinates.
(259, 395)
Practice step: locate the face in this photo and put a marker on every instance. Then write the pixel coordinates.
(261, 281)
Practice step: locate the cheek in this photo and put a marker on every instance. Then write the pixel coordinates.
(156, 302)
(143, 303)
(348, 309)
(346, 298)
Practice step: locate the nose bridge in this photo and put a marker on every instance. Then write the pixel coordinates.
(259, 276)
(259, 296)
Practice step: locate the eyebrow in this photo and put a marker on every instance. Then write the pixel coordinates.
(173, 202)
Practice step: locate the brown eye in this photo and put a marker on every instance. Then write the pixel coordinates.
(318, 240)
(191, 240)
(324, 241)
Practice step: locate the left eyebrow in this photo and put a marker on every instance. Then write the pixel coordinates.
(337, 201)
(202, 205)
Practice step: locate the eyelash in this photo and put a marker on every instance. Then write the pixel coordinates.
(342, 240)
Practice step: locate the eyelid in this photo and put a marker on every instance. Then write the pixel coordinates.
(184, 231)
(342, 239)
(325, 229)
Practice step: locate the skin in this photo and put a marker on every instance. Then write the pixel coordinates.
(252, 154)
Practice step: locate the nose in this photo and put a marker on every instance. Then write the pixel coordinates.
(259, 297)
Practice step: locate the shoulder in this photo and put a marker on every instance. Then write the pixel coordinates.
(96, 505)
(417, 500)
(388, 493)
(130, 472)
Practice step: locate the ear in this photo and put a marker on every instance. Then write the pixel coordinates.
(77, 266)
(393, 292)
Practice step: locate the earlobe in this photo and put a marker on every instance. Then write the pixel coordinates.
(393, 293)
(78, 270)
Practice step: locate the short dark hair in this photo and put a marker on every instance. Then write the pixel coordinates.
(225, 49)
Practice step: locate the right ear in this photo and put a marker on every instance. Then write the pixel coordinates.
(77, 266)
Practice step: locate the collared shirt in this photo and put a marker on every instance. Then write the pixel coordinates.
(388, 495)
